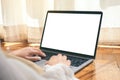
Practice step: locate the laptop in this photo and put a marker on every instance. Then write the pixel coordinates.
(71, 33)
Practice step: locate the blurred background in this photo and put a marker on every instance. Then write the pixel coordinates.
(23, 20)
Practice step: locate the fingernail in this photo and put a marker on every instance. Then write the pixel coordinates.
(44, 54)
(39, 58)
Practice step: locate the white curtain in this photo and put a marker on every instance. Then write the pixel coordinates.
(23, 20)
(1, 22)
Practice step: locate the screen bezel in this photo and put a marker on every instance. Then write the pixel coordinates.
(76, 12)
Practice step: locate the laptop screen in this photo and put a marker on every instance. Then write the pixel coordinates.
(72, 31)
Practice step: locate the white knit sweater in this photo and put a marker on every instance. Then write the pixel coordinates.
(16, 69)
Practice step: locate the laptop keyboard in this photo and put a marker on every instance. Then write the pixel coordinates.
(75, 61)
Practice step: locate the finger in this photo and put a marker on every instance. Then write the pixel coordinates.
(49, 62)
(33, 58)
(41, 53)
(38, 52)
(52, 60)
(68, 62)
(59, 55)
(64, 57)
(53, 57)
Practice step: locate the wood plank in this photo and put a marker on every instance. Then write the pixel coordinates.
(106, 66)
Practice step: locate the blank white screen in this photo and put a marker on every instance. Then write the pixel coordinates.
(71, 32)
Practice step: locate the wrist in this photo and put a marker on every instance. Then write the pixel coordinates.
(14, 53)
(48, 67)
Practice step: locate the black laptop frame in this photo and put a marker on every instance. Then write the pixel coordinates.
(66, 52)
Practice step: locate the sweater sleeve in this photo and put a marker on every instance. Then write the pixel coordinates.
(59, 72)
(13, 69)
(7, 71)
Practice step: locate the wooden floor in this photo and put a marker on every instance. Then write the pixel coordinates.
(106, 66)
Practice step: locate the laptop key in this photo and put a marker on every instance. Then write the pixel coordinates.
(74, 60)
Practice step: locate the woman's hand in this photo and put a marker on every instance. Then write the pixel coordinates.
(58, 59)
(29, 53)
